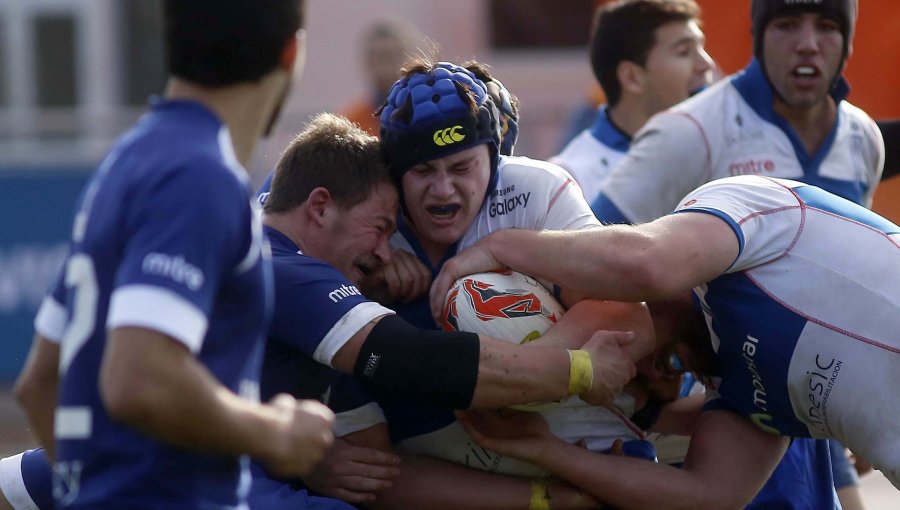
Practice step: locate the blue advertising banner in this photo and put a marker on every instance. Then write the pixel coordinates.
(36, 210)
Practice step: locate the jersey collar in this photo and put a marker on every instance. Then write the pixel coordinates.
(607, 133)
(280, 242)
(754, 88)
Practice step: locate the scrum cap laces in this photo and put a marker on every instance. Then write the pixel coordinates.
(509, 121)
(442, 122)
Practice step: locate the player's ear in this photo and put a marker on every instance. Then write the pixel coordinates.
(631, 77)
(293, 47)
(319, 204)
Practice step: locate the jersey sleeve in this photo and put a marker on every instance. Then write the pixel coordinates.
(185, 231)
(876, 166)
(764, 214)
(667, 159)
(26, 480)
(567, 209)
(317, 309)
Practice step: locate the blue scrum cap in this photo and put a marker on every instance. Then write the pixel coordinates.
(426, 117)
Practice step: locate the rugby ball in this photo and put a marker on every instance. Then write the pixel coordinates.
(507, 305)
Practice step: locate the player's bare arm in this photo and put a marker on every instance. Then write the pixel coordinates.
(627, 263)
(37, 387)
(506, 374)
(153, 383)
(709, 478)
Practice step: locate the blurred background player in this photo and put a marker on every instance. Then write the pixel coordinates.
(647, 55)
(385, 46)
(784, 116)
(150, 360)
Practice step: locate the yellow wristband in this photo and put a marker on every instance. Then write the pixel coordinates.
(581, 372)
(540, 495)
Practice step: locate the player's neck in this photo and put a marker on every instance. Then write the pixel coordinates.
(291, 225)
(627, 116)
(812, 124)
(244, 108)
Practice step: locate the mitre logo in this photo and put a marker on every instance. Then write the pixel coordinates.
(448, 136)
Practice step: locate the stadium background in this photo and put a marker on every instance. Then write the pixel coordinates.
(73, 74)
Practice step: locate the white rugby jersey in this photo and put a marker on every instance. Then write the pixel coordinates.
(530, 194)
(592, 155)
(806, 322)
(731, 129)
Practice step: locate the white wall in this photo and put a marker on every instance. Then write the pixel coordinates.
(549, 83)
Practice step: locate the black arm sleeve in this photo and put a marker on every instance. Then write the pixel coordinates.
(440, 367)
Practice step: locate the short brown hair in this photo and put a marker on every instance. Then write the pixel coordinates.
(625, 31)
(332, 153)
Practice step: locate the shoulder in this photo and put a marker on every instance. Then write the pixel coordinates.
(518, 168)
(860, 120)
(302, 269)
(585, 141)
(750, 194)
(745, 185)
(165, 154)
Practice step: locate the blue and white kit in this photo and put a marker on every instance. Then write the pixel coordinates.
(593, 154)
(317, 311)
(535, 195)
(149, 251)
(732, 129)
(805, 321)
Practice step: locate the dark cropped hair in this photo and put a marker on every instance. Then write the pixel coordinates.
(625, 31)
(222, 42)
(332, 153)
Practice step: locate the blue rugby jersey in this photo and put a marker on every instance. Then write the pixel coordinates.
(164, 238)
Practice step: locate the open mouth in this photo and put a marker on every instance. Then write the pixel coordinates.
(806, 72)
(443, 211)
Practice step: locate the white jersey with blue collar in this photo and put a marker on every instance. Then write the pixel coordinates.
(149, 251)
(805, 322)
(534, 195)
(593, 154)
(731, 129)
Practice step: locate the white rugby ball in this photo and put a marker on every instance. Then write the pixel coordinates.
(507, 305)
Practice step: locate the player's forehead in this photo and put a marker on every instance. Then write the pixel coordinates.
(799, 15)
(678, 32)
(472, 155)
(381, 206)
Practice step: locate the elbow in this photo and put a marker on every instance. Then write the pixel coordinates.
(32, 388)
(26, 391)
(125, 397)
